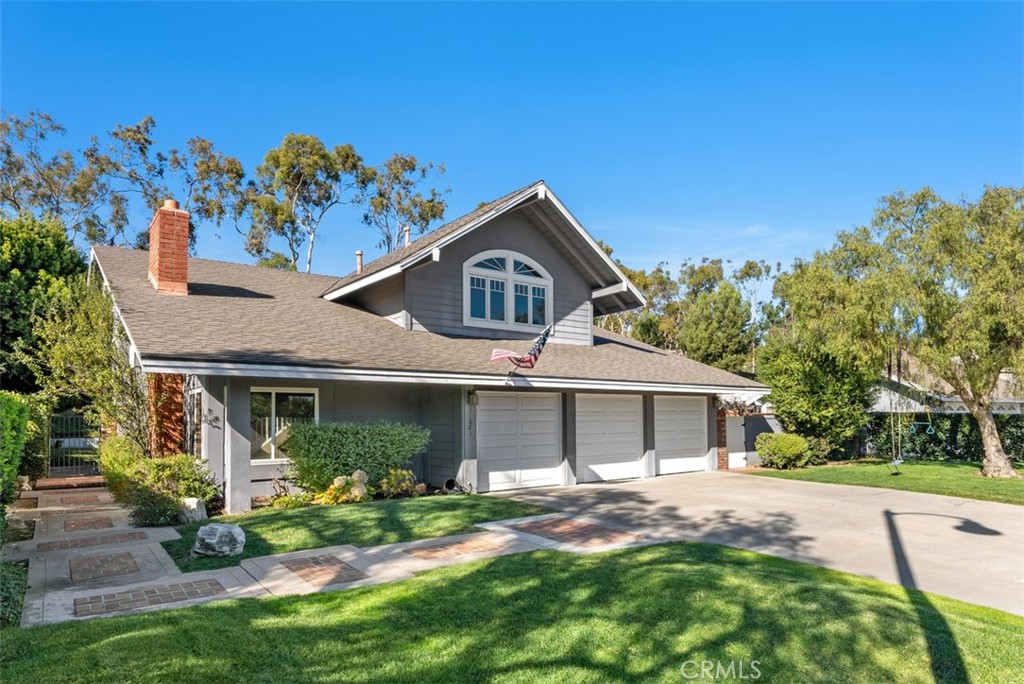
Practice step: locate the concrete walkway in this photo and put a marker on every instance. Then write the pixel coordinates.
(86, 560)
(966, 549)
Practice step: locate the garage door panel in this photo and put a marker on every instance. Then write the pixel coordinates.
(518, 440)
(680, 442)
(609, 437)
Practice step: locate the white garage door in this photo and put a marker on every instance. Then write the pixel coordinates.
(609, 437)
(680, 441)
(518, 441)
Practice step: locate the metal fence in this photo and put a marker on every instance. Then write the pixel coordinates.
(73, 445)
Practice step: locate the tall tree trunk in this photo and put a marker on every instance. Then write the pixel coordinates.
(996, 463)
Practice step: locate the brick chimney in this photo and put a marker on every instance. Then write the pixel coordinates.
(168, 249)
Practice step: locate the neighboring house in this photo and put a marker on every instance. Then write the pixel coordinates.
(408, 337)
(913, 388)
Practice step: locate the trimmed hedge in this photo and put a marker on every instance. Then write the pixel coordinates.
(782, 450)
(320, 453)
(14, 413)
(956, 436)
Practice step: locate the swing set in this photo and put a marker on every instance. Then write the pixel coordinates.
(895, 426)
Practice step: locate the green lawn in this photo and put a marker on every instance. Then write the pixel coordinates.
(633, 615)
(951, 478)
(269, 531)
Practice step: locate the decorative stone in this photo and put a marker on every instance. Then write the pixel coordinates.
(219, 539)
(23, 484)
(192, 510)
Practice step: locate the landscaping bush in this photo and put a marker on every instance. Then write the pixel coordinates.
(399, 482)
(153, 488)
(320, 453)
(35, 456)
(157, 486)
(118, 458)
(350, 489)
(13, 424)
(288, 501)
(782, 450)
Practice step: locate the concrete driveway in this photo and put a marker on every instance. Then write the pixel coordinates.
(970, 550)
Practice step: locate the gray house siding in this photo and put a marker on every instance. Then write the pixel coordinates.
(434, 292)
(227, 427)
(386, 299)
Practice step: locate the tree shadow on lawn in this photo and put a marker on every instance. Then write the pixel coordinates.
(631, 615)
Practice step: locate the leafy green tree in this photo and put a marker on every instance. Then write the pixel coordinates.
(298, 183)
(716, 327)
(92, 191)
(79, 349)
(941, 280)
(35, 257)
(815, 394)
(749, 278)
(393, 199)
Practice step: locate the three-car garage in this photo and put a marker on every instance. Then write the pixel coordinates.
(519, 437)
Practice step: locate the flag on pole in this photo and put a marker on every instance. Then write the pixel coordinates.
(528, 360)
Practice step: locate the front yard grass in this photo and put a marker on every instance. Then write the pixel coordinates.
(269, 531)
(952, 478)
(633, 615)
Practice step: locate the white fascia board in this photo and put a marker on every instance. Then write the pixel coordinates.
(597, 248)
(383, 274)
(433, 250)
(422, 377)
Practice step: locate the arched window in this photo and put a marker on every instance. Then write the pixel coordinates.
(505, 289)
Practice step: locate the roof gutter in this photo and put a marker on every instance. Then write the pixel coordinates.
(423, 377)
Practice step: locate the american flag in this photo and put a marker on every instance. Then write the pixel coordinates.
(529, 360)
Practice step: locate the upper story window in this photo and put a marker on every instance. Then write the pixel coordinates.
(506, 289)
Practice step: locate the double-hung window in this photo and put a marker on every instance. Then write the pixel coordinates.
(506, 289)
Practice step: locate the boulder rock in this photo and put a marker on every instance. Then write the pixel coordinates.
(192, 510)
(219, 539)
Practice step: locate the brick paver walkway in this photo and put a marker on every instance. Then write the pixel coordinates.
(81, 542)
(458, 548)
(81, 524)
(136, 572)
(576, 532)
(102, 565)
(323, 571)
(144, 598)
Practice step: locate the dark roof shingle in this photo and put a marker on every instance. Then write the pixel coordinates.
(236, 313)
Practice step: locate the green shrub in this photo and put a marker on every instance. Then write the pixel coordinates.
(782, 450)
(118, 458)
(35, 457)
(346, 489)
(157, 486)
(287, 501)
(320, 453)
(955, 436)
(398, 482)
(13, 581)
(13, 424)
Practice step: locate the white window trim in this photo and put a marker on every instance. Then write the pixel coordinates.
(511, 279)
(315, 391)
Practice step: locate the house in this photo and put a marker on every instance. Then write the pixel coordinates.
(250, 351)
(912, 389)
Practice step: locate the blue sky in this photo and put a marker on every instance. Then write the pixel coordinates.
(670, 130)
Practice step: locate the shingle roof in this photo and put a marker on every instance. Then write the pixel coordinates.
(242, 314)
(424, 242)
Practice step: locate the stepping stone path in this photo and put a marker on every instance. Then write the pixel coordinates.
(87, 561)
